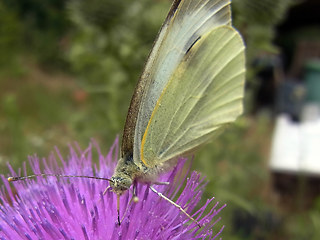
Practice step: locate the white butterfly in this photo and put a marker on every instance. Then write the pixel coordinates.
(192, 86)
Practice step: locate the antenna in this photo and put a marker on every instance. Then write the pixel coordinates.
(134, 198)
(13, 179)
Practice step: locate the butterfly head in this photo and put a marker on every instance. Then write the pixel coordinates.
(120, 183)
(124, 175)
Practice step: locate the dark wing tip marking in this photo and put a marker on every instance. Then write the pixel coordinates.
(193, 44)
(173, 9)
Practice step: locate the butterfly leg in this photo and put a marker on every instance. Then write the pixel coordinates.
(134, 194)
(134, 199)
(160, 183)
(176, 205)
(105, 191)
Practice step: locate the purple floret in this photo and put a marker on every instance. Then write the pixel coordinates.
(75, 208)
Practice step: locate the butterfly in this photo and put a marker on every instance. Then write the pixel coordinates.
(192, 86)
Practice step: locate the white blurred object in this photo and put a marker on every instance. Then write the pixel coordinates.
(311, 112)
(296, 146)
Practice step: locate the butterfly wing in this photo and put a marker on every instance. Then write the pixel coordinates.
(186, 22)
(203, 94)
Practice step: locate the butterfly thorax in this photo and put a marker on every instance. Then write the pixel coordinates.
(127, 171)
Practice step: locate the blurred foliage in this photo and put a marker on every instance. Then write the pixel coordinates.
(103, 45)
(291, 39)
(109, 47)
(38, 27)
(34, 115)
(256, 20)
(10, 39)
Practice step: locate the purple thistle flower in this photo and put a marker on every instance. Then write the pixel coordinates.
(75, 208)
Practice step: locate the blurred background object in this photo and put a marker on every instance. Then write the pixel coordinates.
(67, 73)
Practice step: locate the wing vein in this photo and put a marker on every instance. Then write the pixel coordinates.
(198, 27)
(196, 89)
(191, 109)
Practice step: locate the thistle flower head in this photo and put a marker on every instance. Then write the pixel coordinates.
(75, 208)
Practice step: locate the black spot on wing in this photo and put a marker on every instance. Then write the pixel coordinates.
(192, 44)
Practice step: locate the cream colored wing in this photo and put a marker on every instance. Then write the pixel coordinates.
(187, 21)
(204, 93)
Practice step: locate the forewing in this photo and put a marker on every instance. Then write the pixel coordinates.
(204, 93)
(187, 21)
